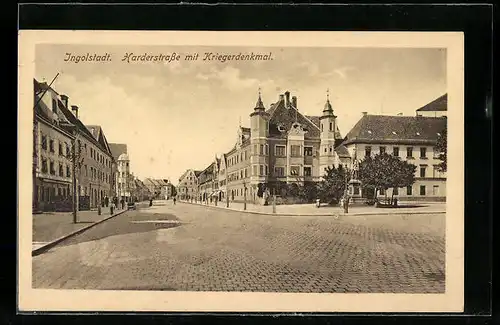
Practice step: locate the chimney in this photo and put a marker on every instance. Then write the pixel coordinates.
(364, 113)
(294, 101)
(64, 99)
(287, 98)
(74, 108)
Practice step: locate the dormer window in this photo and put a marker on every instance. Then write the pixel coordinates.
(393, 132)
(370, 132)
(281, 128)
(418, 133)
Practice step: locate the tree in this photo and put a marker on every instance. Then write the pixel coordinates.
(442, 148)
(332, 187)
(174, 191)
(309, 191)
(386, 171)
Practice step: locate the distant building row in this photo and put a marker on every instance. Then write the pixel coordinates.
(285, 145)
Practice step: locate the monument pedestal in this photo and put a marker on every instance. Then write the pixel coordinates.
(356, 193)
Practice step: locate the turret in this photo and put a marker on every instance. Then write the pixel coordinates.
(328, 134)
(259, 120)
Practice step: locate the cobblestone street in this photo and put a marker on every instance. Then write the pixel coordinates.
(189, 247)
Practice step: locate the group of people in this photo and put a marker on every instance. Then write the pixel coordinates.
(114, 203)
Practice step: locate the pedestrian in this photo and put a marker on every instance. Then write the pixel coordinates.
(122, 201)
(174, 200)
(111, 208)
(106, 201)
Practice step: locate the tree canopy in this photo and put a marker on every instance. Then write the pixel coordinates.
(441, 147)
(332, 187)
(386, 171)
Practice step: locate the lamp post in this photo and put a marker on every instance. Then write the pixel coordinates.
(244, 195)
(346, 194)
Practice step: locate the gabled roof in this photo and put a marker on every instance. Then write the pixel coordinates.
(98, 134)
(438, 105)
(396, 129)
(280, 115)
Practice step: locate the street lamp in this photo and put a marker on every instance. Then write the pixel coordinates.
(244, 194)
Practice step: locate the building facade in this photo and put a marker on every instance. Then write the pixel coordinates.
(124, 179)
(187, 187)
(413, 139)
(52, 158)
(284, 146)
(93, 160)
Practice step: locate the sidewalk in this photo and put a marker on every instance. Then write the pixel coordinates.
(312, 210)
(51, 226)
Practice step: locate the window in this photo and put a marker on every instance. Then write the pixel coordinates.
(331, 149)
(60, 151)
(86, 170)
(266, 171)
(422, 171)
(61, 170)
(261, 169)
(382, 150)
(409, 190)
(331, 126)
(44, 142)
(326, 149)
(368, 151)
(279, 150)
(307, 171)
(246, 173)
(395, 151)
(295, 150)
(422, 189)
(68, 171)
(44, 165)
(308, 151)
(262, 149)
(52, 170)
(409, 152)
(321, 127)
(279, 171)
(267, 149)
(68, 150)
(423, 153)
(395, 191)
(294, 170)
(54, 105)
(51, 145)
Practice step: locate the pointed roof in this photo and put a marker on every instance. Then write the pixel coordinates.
(259, 105)
(327, 109)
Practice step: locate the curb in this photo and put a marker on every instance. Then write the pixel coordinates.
(317, 215)
(46, 247)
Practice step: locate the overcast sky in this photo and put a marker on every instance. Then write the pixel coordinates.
(175, 116)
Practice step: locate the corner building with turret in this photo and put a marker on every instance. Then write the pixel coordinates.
(281, 145)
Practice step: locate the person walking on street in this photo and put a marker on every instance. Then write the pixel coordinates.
(111, 208)
(106, 201)
(174, 200)
(122, 202)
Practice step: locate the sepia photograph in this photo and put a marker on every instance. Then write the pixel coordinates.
(270, 171)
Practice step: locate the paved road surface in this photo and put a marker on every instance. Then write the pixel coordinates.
(188, 247)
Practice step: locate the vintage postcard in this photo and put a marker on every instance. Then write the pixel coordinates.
(241, 171)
